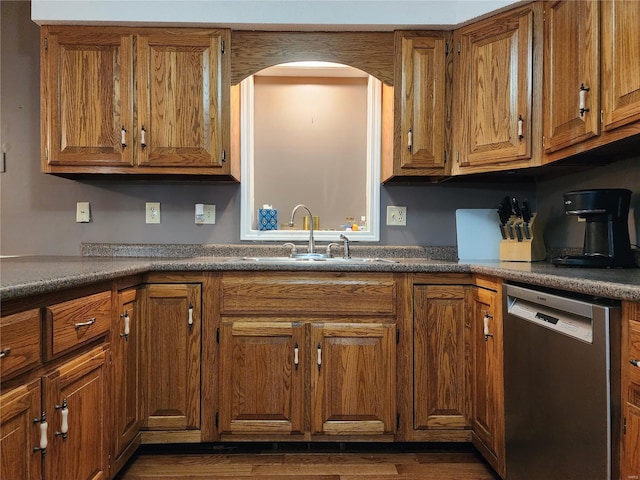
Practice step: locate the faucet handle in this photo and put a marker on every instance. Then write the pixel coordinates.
(294, 249)
(332, 244)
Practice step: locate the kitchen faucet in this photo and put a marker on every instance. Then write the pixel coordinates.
(312, 245)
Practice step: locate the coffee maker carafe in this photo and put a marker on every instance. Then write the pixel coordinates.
(606, 233)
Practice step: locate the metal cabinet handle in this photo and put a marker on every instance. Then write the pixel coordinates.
(127, 321)
(190, 316)
(64, 415)
(91, 321)
(123, 137)
(319, 356)
(520, 127)
(296, 359)
(583, 99)
(5, 351)
(44, 425)
(635, 362)
(486, 326)
(410, 140)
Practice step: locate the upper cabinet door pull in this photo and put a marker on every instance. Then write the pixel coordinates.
(4, 352)
(635, 363)
(91, 321)
(486, 326)
(520, 128)
(319, 356)
(295, 356)
(64, 424)
(123, 134)
(583, 99)
(410, 140)
(190, 316)
(43, 433)
(143, 142)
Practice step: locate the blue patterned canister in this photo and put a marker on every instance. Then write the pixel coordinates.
(267, 218)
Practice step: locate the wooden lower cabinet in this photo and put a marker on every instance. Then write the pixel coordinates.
(125, 346)
(170, 357)
(441, 349)
(488, 375)
(19, 434)
(353, 373)
(630, 441)
(77, 391)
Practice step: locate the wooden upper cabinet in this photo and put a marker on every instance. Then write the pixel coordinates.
(620, 63)
(87, 97)
(176, 80)
(417, 107)
(497, 114)
(571, 73)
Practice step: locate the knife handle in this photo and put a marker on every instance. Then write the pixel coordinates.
(516, 227)
(502, 232)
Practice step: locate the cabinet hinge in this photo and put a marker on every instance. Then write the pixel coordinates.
(216, 419)
(46, 43)
(224, 155)
(218, 335)
(110, 357)
(445, 157)
(46, 154)
(459, 48)
(397, 421)
(624, 426)
(602, 117)
(222, 47)
(446, 49)
(397, 335)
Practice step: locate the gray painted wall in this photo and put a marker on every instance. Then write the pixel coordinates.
(37, 211)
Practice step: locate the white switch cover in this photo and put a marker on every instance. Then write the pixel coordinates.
(396, 215)
(153, 212)
(83, 212)
(205, 214)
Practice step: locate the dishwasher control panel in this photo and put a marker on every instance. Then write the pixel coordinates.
(567, 323)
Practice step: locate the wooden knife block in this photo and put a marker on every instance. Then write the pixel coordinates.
(529, 249)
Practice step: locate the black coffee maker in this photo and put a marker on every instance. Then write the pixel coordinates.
(606, 233)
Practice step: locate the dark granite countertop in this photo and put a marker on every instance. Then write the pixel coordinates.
(32, 275)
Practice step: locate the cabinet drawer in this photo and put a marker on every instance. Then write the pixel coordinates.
(20, 342)
(308, 293)
(73, 323)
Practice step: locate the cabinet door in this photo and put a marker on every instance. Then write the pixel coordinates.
(488, 388)
(353, 378)
(125, 345)
(421, 102)
(170, 357)
(571, 73)
(620, 66)
(179, 98)
(495, 108)
(77, 391)
(441, 336)
(262, 377)
(631, 441)
(87, 97)
(19, 434)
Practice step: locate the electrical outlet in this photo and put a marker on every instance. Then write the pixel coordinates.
(205, 214)
(83, 212)
(396, 216)
(153, 212)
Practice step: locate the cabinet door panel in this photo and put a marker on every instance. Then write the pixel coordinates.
(571, 62)
(87, 97)
(620, 54)
(353, 378)
(19, 434)
(171, 357)
(441, 347)
(179, 104)
(496, 72)
(83, 452)
(262, 378)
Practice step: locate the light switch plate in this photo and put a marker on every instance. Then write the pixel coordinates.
(208, 216)
(396, 216)
(153, 212)
(83, 212)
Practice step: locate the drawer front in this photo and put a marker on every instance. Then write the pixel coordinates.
(77, 321)
(20, 342)
(286, 293)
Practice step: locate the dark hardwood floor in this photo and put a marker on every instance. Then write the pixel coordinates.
(309, 462)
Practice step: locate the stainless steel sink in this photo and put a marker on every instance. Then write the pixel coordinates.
(314, 258)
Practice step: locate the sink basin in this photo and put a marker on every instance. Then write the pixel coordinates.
(302, 259)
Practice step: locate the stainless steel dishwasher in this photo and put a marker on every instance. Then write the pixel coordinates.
(561, 369)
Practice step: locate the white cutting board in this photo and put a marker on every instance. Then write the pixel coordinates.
(478, 234)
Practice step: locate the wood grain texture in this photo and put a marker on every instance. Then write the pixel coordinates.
(630, 392)
(21, 342)
(363, 464)
(371, 52)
